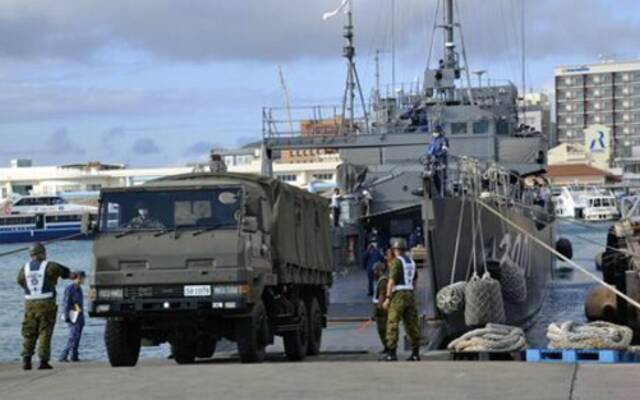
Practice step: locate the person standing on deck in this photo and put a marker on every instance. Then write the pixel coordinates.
(335, 206)
(438, 150)
(401, 302)
(38, 277)
(73, 314)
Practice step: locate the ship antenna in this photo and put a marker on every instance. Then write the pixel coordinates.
(353, 81)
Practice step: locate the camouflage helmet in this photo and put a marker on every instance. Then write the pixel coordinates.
(399, 243)
(37, 249)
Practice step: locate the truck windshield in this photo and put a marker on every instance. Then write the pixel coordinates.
(171, 209)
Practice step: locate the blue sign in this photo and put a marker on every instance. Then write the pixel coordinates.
(598, 145)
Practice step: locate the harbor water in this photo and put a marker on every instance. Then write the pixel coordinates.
(564, 299)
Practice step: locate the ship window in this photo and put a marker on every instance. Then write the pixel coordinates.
(458, 128)
(481, 127)
(502, 128)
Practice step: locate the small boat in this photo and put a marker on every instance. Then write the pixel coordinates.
(587, 203)
(42, 218)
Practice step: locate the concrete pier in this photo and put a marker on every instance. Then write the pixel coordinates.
(327, 377)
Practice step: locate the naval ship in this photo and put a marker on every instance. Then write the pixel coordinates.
(491, 151)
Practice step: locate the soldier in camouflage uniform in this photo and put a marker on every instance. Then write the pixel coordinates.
(380, 293)
(143, 220)
(401, 302)
(38, 278)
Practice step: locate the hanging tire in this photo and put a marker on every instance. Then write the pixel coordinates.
(564, 247)
(252, 335)
(184, 351)
(122, 340)
(315, 327)
(206, 347)
(296, 342)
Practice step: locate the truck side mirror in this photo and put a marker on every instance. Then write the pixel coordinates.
(250, 224)
(87, 224)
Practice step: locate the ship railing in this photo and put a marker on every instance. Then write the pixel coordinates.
(311, 121)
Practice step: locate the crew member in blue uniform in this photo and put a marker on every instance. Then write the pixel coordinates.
(370, 258)
(438, 150)
(73, 314)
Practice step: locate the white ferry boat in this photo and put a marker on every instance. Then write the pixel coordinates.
(586, 202)
(41, 218)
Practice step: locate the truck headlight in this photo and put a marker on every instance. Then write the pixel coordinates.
(110, 293)
(231, 289)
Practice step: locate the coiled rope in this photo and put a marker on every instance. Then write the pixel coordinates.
(493, 337)
(594, 335)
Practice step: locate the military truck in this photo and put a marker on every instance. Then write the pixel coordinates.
(195, 258)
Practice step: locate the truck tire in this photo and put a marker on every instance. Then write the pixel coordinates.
(252, 335)
(184, 352)
(296, 342)
(315, 328)
(122, 340)
(206, 347)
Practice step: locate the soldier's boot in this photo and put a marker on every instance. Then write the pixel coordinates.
(384, 351)
(415, 355)
(26, 363)
(44, 364)
(391, 356)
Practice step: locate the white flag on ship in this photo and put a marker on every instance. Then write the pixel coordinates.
(343, 8)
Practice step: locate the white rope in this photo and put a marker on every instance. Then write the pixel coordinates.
(493, 337)
(562, 257)
(457, 248)
(594, 335)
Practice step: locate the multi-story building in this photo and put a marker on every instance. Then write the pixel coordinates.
(535, 112)
(607, 93)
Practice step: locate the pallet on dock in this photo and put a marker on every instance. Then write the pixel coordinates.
(581, 356)
(488, 356)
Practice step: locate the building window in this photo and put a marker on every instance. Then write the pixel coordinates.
(568, 95)
(625, 104)
(597, 106)
(597, 118)
(625, 77)
(626, 117)
(626, 130)
(323, 177)
(596, 79)
(94, 187)
(288, 178)
(596, 92)
(568, 107)
(568, 81)
(569, 120)
(625, 90)
(458, 128)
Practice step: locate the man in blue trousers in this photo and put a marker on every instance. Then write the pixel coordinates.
(73, 314)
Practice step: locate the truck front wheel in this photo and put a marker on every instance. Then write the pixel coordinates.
(184, 351)
(122, 340)
(296, 342)
(252, 335)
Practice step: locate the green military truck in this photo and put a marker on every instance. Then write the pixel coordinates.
(195, 258)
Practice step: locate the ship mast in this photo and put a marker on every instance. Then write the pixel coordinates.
(353, 81)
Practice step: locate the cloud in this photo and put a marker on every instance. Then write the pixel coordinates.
(112, 139)
(200, 148)
(145, 147)
(268, 30)
(60, 143)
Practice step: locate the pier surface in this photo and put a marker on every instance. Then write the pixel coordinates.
(327, 377)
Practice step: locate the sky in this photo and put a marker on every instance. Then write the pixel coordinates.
(161, 82)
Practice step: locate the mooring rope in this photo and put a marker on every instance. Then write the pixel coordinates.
(561, 256)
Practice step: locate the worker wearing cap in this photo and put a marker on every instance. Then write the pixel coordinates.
(401, 302)
(438, 149)
(73, 315)
(38, 277)
(380, 294)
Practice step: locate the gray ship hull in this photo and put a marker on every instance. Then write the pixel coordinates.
(501, 242)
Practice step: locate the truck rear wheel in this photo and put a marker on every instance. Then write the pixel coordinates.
(315, 328)
(296, 342)
(252, 335)
(122, 340)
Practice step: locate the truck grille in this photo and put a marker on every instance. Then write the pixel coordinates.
(150, 292)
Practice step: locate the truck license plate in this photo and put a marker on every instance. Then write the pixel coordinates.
(197, 290)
